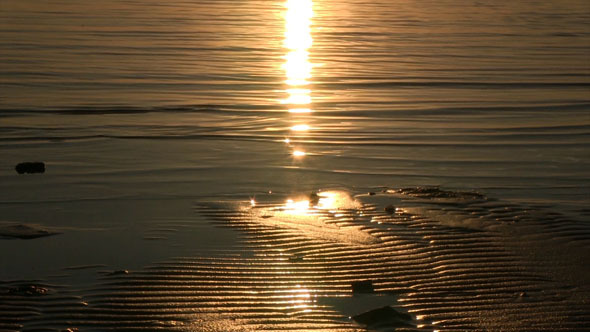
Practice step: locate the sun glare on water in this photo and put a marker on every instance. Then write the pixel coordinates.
(298, 41)
(301, 127)
(299, 153)
(297, 67)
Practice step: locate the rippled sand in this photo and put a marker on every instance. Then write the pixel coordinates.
(451, 260)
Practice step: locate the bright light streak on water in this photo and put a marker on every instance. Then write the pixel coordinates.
(299, 153)
(298, 69)
(298, 41)
(301, 127)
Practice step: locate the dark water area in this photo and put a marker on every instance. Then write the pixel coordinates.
(155, 118)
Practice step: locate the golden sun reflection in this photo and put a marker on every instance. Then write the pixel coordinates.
(298, 97)
(297, 207)
(330, 201)
(298, 41)
(308, 215)
(297, 67)
(301, 127)
(299, 153)
(298, 24)
(300, 298)
(300, 110)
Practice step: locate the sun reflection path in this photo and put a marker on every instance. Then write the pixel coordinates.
(297, 67)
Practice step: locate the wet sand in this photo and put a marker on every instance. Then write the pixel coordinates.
(452, 261)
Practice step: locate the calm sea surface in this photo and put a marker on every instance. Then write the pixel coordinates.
(159, 99)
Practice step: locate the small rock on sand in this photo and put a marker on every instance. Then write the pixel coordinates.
(30, 167)
(390, 209)
(118, 272)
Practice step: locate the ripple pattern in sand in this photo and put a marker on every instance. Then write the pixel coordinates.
(453, 262)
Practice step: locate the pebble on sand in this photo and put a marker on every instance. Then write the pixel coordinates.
(390, 209)
(118, 272)
(30, 167)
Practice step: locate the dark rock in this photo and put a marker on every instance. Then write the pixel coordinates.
(30, 167)
(363, 286)
(390, 209)
(371, 193)
(384, 317)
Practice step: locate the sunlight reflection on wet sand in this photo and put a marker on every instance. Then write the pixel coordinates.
(307, 213)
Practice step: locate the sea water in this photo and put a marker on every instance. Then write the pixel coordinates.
(488, 96)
